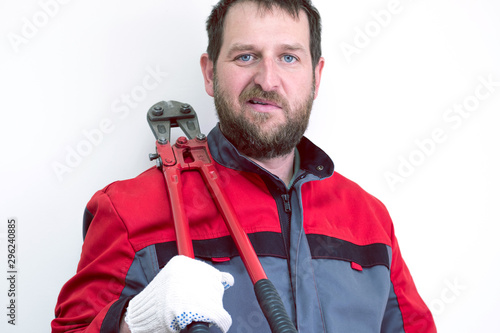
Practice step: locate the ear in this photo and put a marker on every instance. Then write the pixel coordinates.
(207, 69)
(317, 72)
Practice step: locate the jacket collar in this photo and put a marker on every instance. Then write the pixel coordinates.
(312, 159)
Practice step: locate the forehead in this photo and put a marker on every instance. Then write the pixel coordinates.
(247, 23)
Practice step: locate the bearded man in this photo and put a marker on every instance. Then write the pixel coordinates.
(327, 245)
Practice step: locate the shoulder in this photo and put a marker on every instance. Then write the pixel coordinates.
(132, 198)
(341, 189)
(350, 189)
(149, 180)
(348, 211)
(148, 184)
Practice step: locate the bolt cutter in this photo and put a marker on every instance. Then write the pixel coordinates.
(191, 153)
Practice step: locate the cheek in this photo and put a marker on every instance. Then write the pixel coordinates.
(234, 82)
(298, 88)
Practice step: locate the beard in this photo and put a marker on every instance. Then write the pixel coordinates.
(244, 128)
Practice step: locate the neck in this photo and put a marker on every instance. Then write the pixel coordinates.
(281, 166)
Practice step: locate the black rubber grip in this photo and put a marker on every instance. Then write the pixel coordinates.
(273, 308)
(198, 327)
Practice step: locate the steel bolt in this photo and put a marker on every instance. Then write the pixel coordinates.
(157, 110)
(201, 137)
(159, 164)
(182, 140)
(162, 141)
(185, 108)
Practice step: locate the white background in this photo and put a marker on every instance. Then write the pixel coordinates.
(70, 73)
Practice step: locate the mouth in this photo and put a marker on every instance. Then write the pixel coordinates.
(266, 103)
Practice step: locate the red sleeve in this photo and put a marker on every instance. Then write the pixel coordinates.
(86, 299)
(416, 315)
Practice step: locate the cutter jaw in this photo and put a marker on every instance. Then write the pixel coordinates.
(164, 115)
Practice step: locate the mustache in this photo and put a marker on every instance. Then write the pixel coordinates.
(257, 92)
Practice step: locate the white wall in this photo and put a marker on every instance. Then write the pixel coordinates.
(70, 74)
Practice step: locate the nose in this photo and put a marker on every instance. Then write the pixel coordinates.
(267, 75)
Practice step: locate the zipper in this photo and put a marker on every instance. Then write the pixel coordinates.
(281, 196)
(286, 203)
(286, 224)
(287, 207)
(286, 231)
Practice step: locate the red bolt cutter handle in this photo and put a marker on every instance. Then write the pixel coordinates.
(194, 155)
(199, 159)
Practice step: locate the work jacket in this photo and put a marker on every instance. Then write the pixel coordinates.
(326, 244)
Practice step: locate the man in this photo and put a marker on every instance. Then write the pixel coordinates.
(328, 246)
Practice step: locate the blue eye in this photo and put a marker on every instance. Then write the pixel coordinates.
(245, 57)
(289, 58)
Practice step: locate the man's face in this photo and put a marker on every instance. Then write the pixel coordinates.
(263, 83)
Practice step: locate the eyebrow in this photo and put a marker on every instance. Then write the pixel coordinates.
(238, 47)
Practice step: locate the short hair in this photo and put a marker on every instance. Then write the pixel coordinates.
(215, 23)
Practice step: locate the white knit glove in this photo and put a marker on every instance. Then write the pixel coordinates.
(184, 291)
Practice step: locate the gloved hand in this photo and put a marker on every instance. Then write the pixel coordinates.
(184, 291)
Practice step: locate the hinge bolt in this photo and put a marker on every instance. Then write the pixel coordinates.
(157, 110)
(185, 108)
(182, 140)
